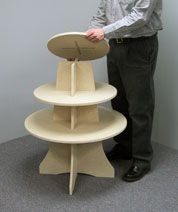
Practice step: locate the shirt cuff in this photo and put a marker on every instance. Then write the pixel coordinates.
(108, 32)
(108, 29)
(117, 27)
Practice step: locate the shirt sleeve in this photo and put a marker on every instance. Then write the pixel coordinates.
(99, 20)
(138, 17)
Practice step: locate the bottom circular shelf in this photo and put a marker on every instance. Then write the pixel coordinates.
(42, 125)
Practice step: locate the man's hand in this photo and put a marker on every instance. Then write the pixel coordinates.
(95, 35)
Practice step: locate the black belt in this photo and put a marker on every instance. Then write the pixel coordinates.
(127, 40)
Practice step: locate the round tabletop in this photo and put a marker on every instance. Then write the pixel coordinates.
(75, 45)
(42, 125)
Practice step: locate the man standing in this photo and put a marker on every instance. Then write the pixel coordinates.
(131, 27)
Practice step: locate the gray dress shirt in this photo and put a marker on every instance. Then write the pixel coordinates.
(128, 18)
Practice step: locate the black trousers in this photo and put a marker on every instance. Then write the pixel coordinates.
(131, 66)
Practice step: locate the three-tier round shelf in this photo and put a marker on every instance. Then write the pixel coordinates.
(76, 126)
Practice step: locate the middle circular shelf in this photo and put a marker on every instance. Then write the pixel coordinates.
(49, 94)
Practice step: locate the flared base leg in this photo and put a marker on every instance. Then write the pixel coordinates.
(86, 158)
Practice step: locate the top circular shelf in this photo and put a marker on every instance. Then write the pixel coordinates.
(75, 45)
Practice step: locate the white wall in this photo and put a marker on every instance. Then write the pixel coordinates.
(25, 62)
(166, 80)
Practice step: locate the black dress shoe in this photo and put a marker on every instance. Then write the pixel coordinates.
(137, 170)
(116, 153)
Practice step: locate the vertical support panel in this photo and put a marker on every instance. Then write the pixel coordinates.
(73, 117)
(73, 168)
(63, 78)
(73, 91)
(93, 161)
(73, 79)
(62, 113)
(85, 77)
(57, 160)
(88, 114)
(84, 80)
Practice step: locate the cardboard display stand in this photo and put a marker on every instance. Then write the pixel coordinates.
(76, 126)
